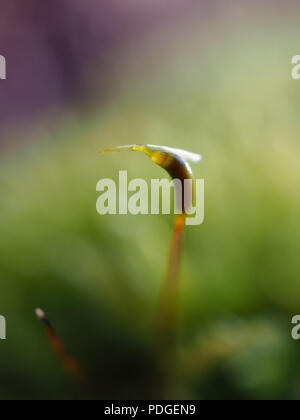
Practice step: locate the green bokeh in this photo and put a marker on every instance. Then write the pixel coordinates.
(98, 278)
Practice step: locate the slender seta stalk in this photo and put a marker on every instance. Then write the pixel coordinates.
(70, 365)
(168, 304)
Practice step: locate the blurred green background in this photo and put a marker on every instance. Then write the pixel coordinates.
(221, 87)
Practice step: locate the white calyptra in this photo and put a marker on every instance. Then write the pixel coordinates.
(182, 156)
(2, 67)
(186, 188)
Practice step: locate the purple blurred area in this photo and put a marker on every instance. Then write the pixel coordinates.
(54, 48)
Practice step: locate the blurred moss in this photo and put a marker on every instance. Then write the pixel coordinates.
(98, 278)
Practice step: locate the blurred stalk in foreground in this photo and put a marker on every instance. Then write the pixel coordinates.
(69, 364)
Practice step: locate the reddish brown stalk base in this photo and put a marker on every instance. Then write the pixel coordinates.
(167, 313)
(69, 363)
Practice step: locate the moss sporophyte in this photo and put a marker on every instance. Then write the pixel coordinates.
(175, 162)
(133, 197)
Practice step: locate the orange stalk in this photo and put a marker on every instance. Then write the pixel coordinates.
(168, 305)
(69, 363)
